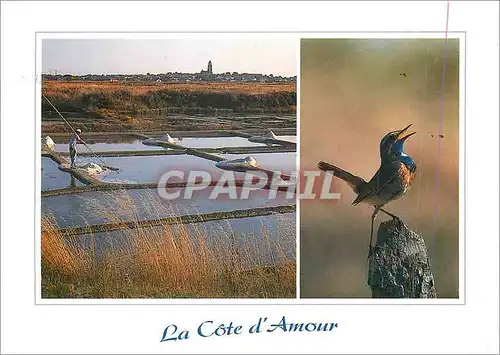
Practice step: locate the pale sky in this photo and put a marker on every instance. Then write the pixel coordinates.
(139, 56)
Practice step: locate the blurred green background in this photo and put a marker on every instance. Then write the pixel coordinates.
(351, 94)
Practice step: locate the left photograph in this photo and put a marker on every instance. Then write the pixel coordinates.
(167, 167)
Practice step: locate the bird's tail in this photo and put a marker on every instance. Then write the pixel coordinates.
(352, 180)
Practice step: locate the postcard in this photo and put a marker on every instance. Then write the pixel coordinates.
(249, 177)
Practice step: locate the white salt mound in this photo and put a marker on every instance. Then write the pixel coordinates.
(91, 168)
(49, 143)
(167, 138)
(271, 135)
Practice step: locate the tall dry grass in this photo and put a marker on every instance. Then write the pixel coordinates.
(170, 261)
(67, 89)
(128, 105)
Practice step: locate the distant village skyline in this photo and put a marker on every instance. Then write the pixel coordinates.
(177, 77)
(189, 56)
(55, 72)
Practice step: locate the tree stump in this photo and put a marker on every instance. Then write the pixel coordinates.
(399, 266)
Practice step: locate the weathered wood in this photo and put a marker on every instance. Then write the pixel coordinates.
(126, 153)
(65, 166)
(112, 186)
(251, 150)
(399, 264)
(222, 150)
(246, 134)
(201, 154)
(195, 133)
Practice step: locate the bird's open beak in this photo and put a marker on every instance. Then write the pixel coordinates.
(402, 136)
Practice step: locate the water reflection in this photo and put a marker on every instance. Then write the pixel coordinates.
(216, 142)
(95, 207)
(53, 178)
(105, 144)
(266, 240)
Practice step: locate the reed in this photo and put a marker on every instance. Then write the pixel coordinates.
(170, 261)
(70, 88)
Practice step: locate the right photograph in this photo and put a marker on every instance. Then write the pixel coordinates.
(379, 124)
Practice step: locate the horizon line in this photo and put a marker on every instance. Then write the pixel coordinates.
(170, 72)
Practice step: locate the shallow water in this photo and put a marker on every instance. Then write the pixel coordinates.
(285, 162)
(148, 169)
(288, 138)
(95, 207)
(126, 142)
(105, 144)
(265, 240)
(261, 240)
(215, 142)
(53, 178)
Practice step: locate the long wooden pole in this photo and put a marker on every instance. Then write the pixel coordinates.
(85, 144)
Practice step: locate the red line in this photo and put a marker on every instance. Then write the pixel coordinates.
(441, 119)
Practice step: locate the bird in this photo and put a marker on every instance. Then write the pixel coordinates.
(403, 74)
(391, 181)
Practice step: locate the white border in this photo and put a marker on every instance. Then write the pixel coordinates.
(297, 164)
(307, 301)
